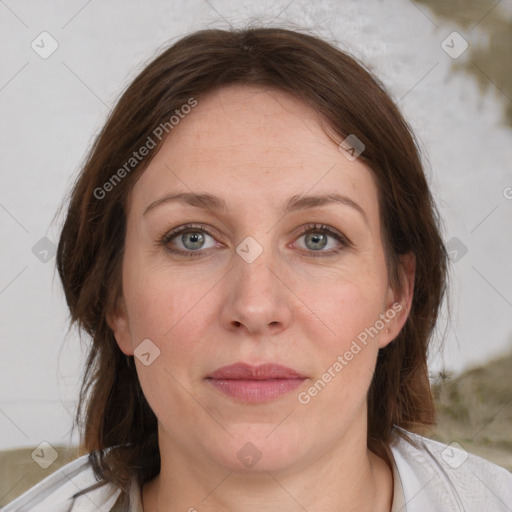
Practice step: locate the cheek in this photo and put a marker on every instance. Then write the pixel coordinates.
(343, 304)
(351, 314)
(344, 340)
(170, 309)
(344, 358)
(173, 316)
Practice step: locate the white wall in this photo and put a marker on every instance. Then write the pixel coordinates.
(52, 107)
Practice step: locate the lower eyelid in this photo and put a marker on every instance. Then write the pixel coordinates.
(329, 252)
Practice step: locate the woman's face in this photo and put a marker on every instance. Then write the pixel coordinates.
(283, 265)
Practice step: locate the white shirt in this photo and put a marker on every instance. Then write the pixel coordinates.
(428, 477)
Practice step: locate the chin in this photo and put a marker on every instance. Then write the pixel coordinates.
(254, 449)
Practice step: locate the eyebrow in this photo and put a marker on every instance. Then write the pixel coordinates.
(205, 201)
(297, 202)
(305, 202)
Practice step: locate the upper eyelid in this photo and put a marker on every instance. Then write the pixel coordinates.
(178, 230)
(333, 232)
(207, 228)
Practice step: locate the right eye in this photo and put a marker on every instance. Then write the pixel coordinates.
(188, 240)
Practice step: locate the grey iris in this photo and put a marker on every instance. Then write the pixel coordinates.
(318, 241)
(193, 240)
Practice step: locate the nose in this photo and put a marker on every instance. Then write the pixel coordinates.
(257, 300)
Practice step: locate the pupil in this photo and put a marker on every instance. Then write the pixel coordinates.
(193, 240)
(318, 239)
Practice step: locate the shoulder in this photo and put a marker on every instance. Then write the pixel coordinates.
(58, 492)
(446, 477)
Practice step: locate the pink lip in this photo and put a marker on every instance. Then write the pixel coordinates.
(255, 383)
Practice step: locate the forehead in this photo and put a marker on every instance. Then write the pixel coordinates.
(250, 144)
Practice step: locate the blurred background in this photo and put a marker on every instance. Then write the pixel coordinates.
(447, 64)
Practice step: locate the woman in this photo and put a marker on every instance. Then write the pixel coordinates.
(253, 248)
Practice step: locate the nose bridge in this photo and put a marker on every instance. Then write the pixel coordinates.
(253, 273)
(257, 299)
(256, 273)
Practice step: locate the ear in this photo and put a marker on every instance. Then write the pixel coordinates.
(398, 305)
(117, 320)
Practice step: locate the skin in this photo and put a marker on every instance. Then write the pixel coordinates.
(255, 149)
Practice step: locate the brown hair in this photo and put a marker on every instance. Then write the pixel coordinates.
(120, 429)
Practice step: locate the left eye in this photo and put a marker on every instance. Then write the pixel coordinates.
(320, 240)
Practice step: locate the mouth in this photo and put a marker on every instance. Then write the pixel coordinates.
(246, 383)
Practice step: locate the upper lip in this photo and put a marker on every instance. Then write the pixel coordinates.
(244, 371)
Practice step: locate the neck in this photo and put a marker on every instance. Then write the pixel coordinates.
(347, 477)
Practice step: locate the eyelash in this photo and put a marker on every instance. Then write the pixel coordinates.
(314, 228)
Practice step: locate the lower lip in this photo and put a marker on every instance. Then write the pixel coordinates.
(255, 390)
